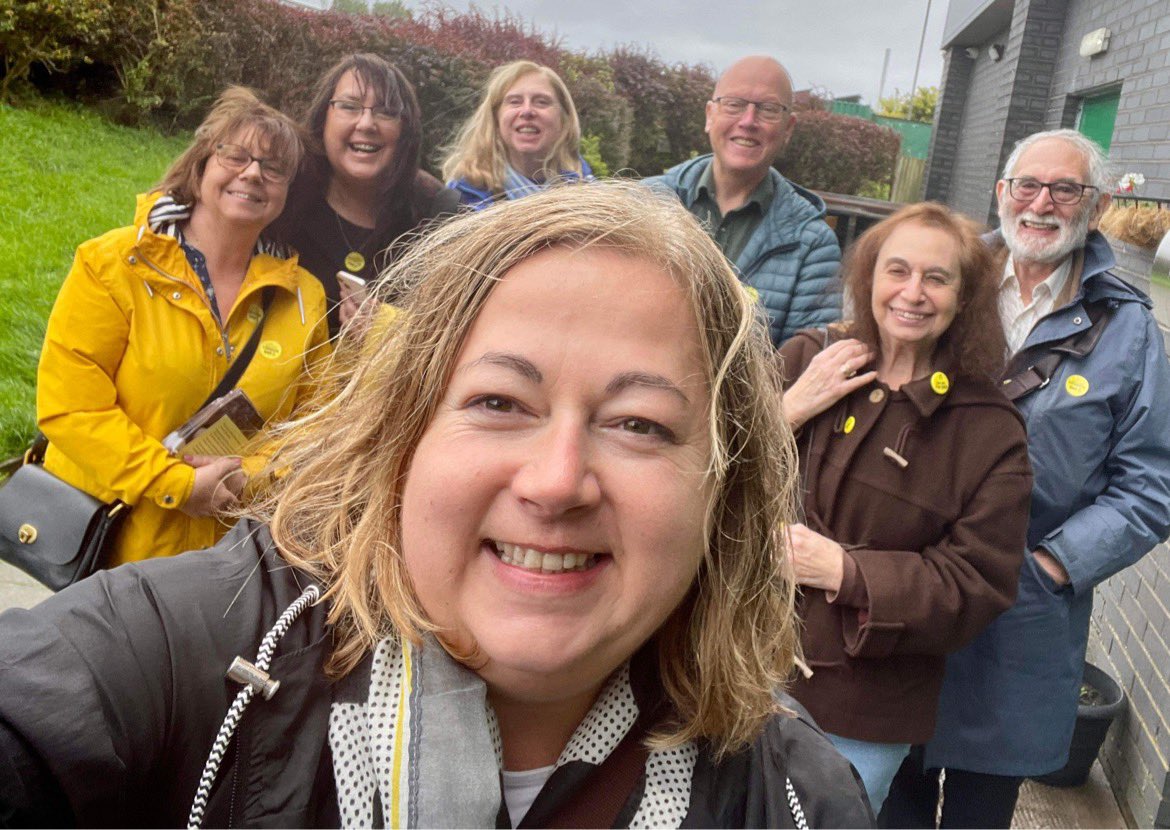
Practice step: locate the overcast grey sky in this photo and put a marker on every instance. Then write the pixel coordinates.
(835, 44)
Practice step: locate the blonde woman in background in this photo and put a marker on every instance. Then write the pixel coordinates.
(523, 136)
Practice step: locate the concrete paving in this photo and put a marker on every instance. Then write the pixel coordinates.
(18, 590)
(1090, 805)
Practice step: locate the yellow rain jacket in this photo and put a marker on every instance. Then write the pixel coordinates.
(132, 350)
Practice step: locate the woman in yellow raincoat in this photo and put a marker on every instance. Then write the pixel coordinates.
(151, 317)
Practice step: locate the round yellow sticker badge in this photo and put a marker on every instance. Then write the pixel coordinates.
(270, 349)
(752, 293)
(940, 383)
(850, 423)
(255, 313)
(1076, 385)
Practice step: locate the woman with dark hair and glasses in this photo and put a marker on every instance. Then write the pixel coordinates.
(152, 316)
(362, 188)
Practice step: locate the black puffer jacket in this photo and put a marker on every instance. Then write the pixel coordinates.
(112, 692)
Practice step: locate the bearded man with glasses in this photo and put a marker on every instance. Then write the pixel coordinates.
(1088, 371)
(772, 230)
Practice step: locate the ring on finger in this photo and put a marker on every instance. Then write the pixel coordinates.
(847, 372)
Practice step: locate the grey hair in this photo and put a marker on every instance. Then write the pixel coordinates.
(1100, 172)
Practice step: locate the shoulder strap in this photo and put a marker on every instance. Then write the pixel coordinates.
(599, 799)
(35, 454)
(244, 357)
(1019, 381)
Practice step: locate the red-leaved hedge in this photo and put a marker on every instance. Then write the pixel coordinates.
(172, 57)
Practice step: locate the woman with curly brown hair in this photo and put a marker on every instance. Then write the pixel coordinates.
(916, 484)
(532, 557)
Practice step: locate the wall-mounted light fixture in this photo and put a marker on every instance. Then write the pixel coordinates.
(995, 52)
(972, 52)
(1094, 43)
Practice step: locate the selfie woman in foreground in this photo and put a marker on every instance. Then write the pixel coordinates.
(528, 565)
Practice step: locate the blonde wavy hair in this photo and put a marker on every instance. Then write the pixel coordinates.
(335, 510)
(478, 153)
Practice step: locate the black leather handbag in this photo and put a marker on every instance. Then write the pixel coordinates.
(58, 534)
(52, 531)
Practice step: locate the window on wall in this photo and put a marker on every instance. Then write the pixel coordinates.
(1096, 116)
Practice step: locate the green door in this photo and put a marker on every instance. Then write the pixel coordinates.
(1097, 116)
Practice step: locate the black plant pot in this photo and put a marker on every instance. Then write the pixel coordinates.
(1093, 722)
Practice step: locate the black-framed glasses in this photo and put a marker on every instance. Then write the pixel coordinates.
(765, 110)
(1025, 189)
(235, 157)
(352, 110)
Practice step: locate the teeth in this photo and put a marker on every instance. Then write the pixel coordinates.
(908, 315)
(745, 142)
(1044, 226)
(247, 197)
(534, 560)
(364, 148)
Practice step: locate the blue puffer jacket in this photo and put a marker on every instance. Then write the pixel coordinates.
(791, 260)
(1098, 442)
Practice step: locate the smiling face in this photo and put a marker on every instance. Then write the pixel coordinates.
(553, 513)
(744, 145)
(360, 150)
(916, 285)
(530, 122)
(241, 196)
(1041, 230)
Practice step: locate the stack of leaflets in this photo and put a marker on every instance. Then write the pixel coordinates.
(223, 427)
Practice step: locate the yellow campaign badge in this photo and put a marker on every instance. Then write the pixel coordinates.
(850, 423)
(255, 313)
(1076, 385)
(940, 383)
(270, 349)
(752, 293)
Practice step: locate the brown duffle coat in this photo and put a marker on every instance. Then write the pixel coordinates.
(927, 489)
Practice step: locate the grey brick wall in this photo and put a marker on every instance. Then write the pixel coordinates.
(985, 113)
(1137, 61)
(1130, 638)
(948, 125)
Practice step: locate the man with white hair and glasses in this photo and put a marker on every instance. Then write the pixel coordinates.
(772, 230)
(1089, 373)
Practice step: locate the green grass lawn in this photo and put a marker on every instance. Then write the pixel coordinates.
(66, 175)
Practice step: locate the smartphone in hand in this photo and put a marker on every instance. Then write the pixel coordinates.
(352, 286)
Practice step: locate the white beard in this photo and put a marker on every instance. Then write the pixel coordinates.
(1072, 236)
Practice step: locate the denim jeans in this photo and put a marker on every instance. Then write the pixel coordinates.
(876, 763)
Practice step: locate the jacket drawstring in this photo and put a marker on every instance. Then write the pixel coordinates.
(255, 679)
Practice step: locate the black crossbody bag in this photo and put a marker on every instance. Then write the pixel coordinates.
(59, 534)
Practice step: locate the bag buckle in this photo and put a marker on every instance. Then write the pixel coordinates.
(27, 534)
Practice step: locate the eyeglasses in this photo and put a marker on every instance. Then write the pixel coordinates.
(1063, 193)
(235, 157)
(765, 110)
(352, 111)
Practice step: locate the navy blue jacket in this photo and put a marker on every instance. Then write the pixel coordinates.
(1098, 442)
(792, 259)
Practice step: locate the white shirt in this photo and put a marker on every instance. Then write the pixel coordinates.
(1017, 318)
(521, 789)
